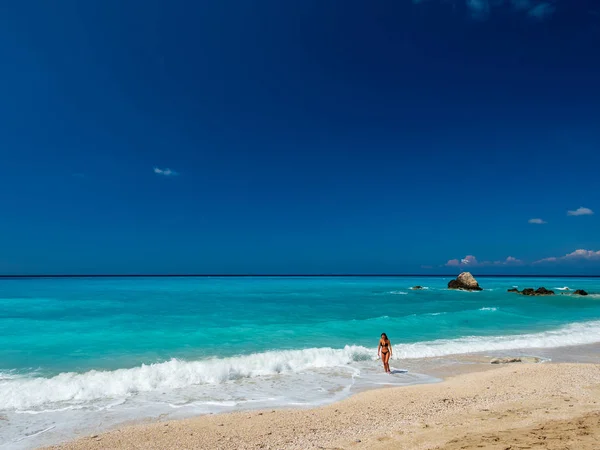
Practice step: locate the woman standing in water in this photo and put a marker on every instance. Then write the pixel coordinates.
(385, 351)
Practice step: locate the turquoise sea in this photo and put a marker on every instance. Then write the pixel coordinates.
(84, 353)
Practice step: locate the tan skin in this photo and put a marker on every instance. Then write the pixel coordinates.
(384, 350)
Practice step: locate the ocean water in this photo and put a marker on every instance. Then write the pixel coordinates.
(83, 354)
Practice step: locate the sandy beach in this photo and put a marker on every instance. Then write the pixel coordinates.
(512, 406)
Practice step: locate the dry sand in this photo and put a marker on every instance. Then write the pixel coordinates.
(515, 406)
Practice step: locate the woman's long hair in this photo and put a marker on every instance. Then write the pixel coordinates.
(384, 337)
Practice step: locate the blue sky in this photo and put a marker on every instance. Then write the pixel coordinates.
(300, 137)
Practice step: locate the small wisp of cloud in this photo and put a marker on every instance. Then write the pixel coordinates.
(512, 260)
(165, 172)
(537, 221)
(580, 212)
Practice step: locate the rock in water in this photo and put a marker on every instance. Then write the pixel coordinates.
(543, 291)
(538, 291)
(453, 284)
(513, 290)
(417, 288)
(580, 292)
(465, 281)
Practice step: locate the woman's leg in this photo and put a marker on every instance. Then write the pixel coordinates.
(383, 359)
(386, 362)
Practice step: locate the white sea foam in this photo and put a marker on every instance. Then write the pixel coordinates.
(488, 309)
(573, 334)
(76, 389)
(397, 293)
(566, 288)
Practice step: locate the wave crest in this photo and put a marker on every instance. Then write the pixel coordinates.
(71, 389)
(77, 388)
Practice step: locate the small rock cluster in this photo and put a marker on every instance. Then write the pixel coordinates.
(532, 292)
(542, 291)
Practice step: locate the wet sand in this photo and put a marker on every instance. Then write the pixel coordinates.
(512, 406)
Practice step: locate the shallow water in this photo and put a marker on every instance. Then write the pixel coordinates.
(74, 352)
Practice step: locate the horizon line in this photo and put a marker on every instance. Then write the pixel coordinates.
(291, 275)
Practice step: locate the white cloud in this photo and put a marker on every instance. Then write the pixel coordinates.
(512, 260)
(468, 260)
(537, 221)
(577, 255)
(546, 260)
(586, 254)
(166, 172)
(471, 261)
(580, 212)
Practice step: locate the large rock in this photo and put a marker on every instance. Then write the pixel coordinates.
(580, 292)
(417, 288)
(513, 290)
(465, 281)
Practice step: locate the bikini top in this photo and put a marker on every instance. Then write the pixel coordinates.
(385, 344)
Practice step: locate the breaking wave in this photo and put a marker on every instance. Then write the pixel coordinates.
(72, 389)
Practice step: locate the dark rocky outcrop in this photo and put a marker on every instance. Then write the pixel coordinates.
(533, 292)
(465, 281)
(580, 292)
(417, 288)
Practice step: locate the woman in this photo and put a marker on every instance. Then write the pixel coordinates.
(385, 351)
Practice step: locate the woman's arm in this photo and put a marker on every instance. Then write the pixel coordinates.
(390, 347)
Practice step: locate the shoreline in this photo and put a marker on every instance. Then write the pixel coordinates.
(478, 401)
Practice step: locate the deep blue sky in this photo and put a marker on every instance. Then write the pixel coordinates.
(303, 136)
